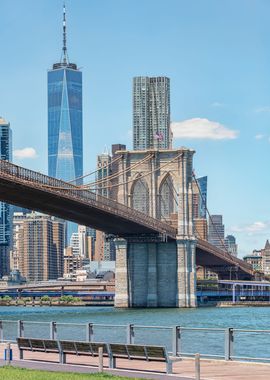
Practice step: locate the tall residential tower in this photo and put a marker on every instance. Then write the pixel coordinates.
(151, 113)
(5, 209)
(65, 139)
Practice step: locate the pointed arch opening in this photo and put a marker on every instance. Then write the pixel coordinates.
(168, 198)
(140, 196)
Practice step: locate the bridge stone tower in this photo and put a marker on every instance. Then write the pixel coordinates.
(154, 271)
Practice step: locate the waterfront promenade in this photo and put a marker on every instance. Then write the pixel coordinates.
(184, 370)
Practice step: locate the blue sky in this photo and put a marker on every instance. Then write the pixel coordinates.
(217, 54)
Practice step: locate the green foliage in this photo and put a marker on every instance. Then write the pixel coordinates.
(7, 298)
(70, 299)
(45, 298)
(12, 373)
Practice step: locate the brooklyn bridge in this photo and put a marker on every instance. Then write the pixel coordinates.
(148, 213)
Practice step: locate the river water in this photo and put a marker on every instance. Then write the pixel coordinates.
(208, 342)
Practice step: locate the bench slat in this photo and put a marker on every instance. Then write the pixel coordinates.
(24, 343)
(68, 346)
(136, 351)
(95, 346)
(51, 345)
(119, 350)
(155, 352)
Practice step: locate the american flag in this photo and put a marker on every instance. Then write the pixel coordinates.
(159, 136)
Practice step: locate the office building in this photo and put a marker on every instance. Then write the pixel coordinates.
(17, 239)
(199, 198)
(65, 139)
(5, 209)
(81, 242)
(230, 244)
(216, 231)
(104, 246)
(266, 258)
(202, 212)
(151, 113)
(103, 171)
(39, 243)
(255, 260)
(200, 227)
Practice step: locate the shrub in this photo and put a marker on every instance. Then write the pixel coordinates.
(45, 298)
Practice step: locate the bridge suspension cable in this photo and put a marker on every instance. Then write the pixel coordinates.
(95, 171)
(115, 175)
(80, 188)
(88, 186)
(141, 176)
(210, 217)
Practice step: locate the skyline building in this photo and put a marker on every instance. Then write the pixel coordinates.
(216, 231)
(5, 208)
(39, 246)
(230, 244)
(65, 138)
(202, 212)
(104, 246)
(151, 113)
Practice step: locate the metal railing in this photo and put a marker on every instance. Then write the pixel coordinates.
(218, 343)
(67, 190)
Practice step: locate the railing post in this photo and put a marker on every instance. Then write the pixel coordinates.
(176, 339)
(20, 329)
(228, 343)
(197, 367)
(100, 359)
(8, 354)
(89, 332)
(1, 331)
(130, 334)
(53, 331)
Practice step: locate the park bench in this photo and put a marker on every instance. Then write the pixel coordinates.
(141, 352)
(38, 345)
(111, 350)
(62, 347)
(69, 347)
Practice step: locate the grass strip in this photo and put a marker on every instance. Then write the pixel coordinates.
(15, 373)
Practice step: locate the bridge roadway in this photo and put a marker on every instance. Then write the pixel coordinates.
(71, 285)
(36, 191)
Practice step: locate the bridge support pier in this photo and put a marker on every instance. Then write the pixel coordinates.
(121, 274)
(186, 273)
(155, 274)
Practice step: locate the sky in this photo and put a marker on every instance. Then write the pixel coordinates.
(217, 56)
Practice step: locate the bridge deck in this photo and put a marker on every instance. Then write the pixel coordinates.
(33, 190)
(36, 191)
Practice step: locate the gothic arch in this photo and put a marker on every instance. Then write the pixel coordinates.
(167, 197)
(140, 196)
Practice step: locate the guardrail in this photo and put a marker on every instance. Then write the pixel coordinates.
(218, 343)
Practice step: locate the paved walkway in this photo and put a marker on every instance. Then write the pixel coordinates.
(184, 370)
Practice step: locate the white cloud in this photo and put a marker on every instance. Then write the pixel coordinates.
(262, 109)
(199, 128)
(259, 137)
(25, 153)
(253, 228)
(218, 105)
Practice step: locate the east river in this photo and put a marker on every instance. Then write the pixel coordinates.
(210, 342)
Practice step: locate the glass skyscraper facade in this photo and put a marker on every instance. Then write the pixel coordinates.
(151, 113)
(6, 154)
(5, 209)
(65, 139)
(202, 182)
(65, 149)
